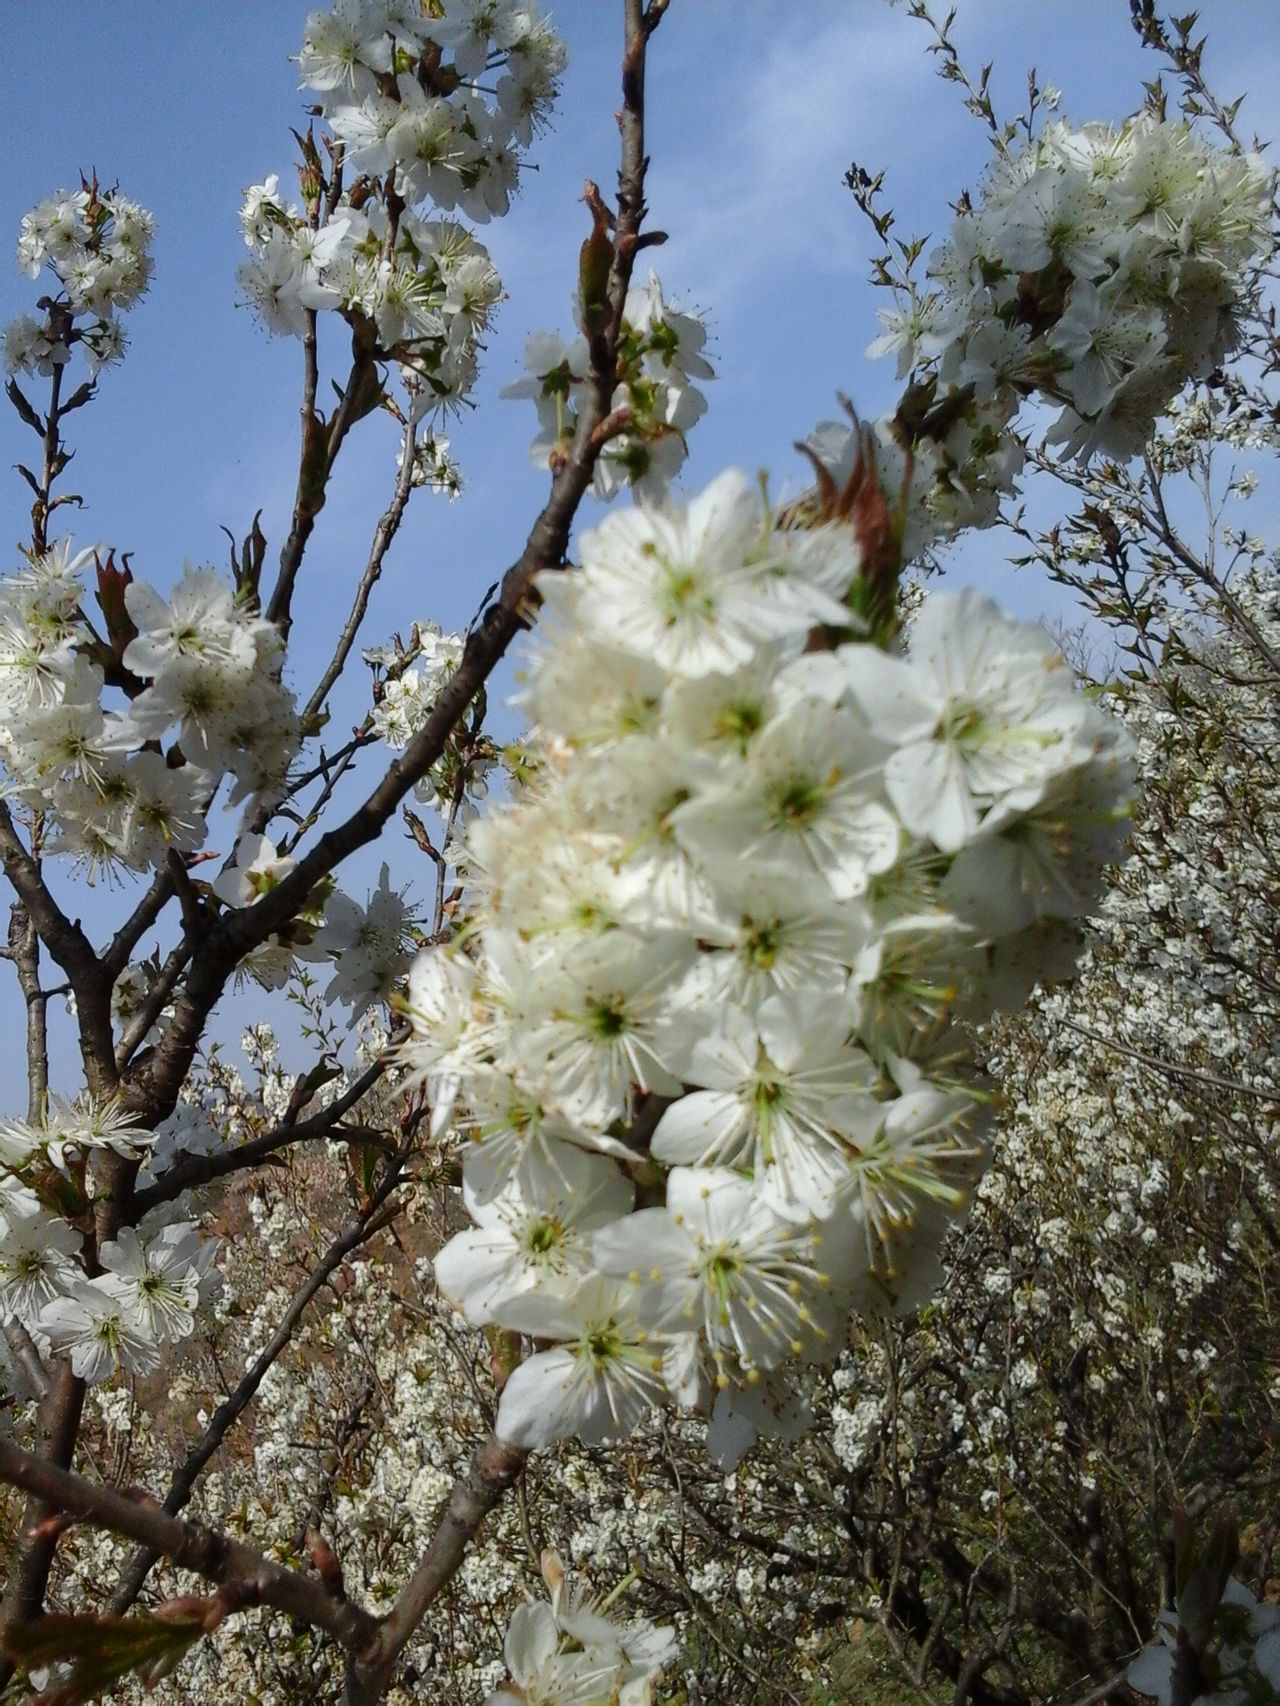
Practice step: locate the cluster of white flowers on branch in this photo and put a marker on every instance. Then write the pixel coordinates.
(702, 1027)
(97, 244)
(659, 355)
(698, 1020)
(441, 99)
(573, 1650)
(151, 1279)
(403, 92)
(201, 668)
(1100, 269)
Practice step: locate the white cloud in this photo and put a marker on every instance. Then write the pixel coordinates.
(768, 127)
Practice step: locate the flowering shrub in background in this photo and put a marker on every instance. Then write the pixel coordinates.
(704, 1030)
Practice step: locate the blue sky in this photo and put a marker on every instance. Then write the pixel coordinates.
(757, 108)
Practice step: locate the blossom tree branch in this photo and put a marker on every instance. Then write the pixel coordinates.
(70, 948)
(205, 1552)
(321, 443)
(386, 530)
(191, 1171)
(493, 1471)
(24, 948)
(154, 1088)
(58, 1428)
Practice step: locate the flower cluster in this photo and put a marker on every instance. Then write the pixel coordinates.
(659, 355)
(440, 100)
(573, 1650)
(701, 1029)
(1099, 271)
(425, 109)
(1113, 1277)
(425, 287)
(152, 1278)
(412, 678)
(97, 244)
(370, 945)
(200, 666)
(408, 680)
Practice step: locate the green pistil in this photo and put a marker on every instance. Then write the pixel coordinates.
(557, 383)
(608, 1018)
(635, 458)
(720, 1272)
(767, 1096)
(962, 724)
(544, 1236)
(662, 339)
(739, 722)
(798, 802)
(683, 588)
(637, 717)
(761, 947)
(604, 1344)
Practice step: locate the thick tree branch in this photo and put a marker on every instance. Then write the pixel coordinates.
(70, 948)
(203, 1551)
(26, 1358)
(120, 950)
(492, 1471)
(57, 1429)
(24, 948)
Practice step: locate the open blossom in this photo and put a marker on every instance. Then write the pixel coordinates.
(36, 1254)
(660, 355)
(577, 1652)
(96, 1327)
(256, 871)
(1245, 1658)
(721, 940)
(982, 710)
(368, 944)
(97, 244)
(785, 1097)
(1101, 268)
(519, 1244)
(720, 1257)
(160, 1279)
(604, 1373)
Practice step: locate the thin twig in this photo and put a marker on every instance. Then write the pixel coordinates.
(386, 530)
(190, 1171)
(1167, 1069)
(234, 1406)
